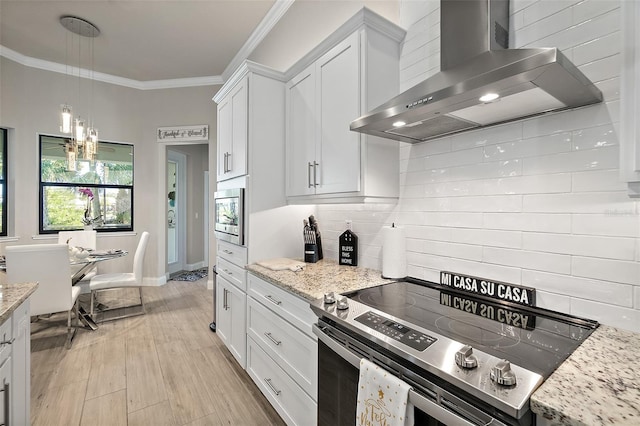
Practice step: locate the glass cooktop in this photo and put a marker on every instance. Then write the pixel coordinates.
(534, 338)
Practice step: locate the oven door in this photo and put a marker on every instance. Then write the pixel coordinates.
(338, 371)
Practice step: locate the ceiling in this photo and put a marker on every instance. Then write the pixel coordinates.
(146, 41)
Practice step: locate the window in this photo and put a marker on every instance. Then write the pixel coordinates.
(97, 193)
(3, 182)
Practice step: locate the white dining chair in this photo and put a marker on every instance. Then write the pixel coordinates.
(48, 265)
(120, 280)
(84, 239)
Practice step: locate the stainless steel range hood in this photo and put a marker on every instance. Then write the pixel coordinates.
(475, 61)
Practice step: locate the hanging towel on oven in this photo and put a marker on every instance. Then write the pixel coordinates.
(383, 399)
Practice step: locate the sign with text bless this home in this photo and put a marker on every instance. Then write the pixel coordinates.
(495, 289)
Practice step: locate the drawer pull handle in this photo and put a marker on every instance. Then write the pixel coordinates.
(227, 251)
(228, 272)
(276, 391)
(272, 300)
(7, 342)
(277, 342)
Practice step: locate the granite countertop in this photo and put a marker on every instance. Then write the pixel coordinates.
(12, 296)
(319, 278)
(599, 384)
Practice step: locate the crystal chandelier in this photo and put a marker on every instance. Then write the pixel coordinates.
(83, 135)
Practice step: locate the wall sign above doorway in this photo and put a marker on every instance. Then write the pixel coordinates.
(183, 133)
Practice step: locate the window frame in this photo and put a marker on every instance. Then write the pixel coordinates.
(3, 178)
(94, 187)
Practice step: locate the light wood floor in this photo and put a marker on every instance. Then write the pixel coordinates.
(162, 368)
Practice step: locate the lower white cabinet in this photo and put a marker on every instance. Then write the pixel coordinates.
(15, 372)
(282, 352)
(294, 406)
(231, 311)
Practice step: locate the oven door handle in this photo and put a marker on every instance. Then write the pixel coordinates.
(424, 404)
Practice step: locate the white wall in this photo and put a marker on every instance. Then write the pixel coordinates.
(29, 101)
(536, 202)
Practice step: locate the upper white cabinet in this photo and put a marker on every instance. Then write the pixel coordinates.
(351, 72)
(630, 98)
(232, 132)
(250, 114)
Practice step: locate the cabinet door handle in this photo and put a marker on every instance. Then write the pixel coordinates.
(270, 337)
(272, 300)
(224, 163)
(224, 299)
(309, 166)
(7, 404)
(315, 174)
(228, 162)
(276, 391)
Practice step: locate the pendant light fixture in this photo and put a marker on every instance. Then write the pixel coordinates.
(84, 137)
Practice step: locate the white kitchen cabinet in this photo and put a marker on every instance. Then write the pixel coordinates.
(282, 351)
(356, 71)
(630, 98)
(231, 319)
(232, 132)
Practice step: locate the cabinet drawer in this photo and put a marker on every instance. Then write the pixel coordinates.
(290, 307)
(291, 402)
(289, 347)
(235, 274)
(6, 334)
(232, 253)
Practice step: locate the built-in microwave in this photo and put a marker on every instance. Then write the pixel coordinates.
(229, 215)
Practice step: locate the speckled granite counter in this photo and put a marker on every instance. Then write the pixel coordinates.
(12, 296)
(316, 279)
(599, 384)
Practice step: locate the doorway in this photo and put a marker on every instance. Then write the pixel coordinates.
(176, 211)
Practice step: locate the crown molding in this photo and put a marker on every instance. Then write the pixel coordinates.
(245, 68)
(272, 17)
(28, 61)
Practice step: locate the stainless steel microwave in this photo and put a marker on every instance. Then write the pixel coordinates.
(229, 215)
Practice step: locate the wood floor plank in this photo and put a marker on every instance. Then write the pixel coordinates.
(108, 368)
(60, 406)
(176, 371)
(156, 415)
(106, 410)
(145, 386)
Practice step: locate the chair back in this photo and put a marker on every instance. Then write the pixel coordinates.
(47, 264)
(138, 258)
(84, 239)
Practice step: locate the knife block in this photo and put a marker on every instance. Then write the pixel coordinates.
(311, 253)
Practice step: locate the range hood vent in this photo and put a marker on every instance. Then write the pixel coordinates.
(475, 61)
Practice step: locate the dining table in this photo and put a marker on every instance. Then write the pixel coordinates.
(83, 263)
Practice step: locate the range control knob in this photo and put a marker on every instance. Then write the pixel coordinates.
(329, 298)
(465, 357)
(501, 373)
(343, 303)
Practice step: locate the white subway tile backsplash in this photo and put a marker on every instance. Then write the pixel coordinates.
(553, 301)
(428, 233)
(456, 158)
(590, 9)
(548, 262)
(602, 69)
(438, 146)
(594, 137)
(543, 26)
(487, 237)
(628, 319)
(594, 50)
(488, 136)
(494, 169)
(575, 161)
(454, 189)
(492, 203)
(610, 89)
(559, 122)
(614, 225)
(537, 222)
(580, 202)
(533, 147)
(608, 292)
(606, 269)
(548, 184)
(459, 251)
(580, 245)
(636, 297)
(453, 219)
(537, 12)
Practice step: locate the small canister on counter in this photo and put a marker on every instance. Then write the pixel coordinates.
(348, 244)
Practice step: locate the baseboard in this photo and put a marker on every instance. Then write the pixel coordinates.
(194, 266)
(154, 281)
(209, 284)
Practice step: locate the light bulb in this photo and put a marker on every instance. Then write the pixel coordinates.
(65, 119)
(489, 97)
(80, 135)
(399, 124)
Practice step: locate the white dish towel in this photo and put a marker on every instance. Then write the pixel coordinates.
(383, 399)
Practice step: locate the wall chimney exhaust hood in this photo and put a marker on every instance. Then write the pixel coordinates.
(481, 81)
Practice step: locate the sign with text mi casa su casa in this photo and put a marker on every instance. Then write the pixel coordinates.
(494, 289)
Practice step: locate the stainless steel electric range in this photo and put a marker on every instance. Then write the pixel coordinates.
(471, 360)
